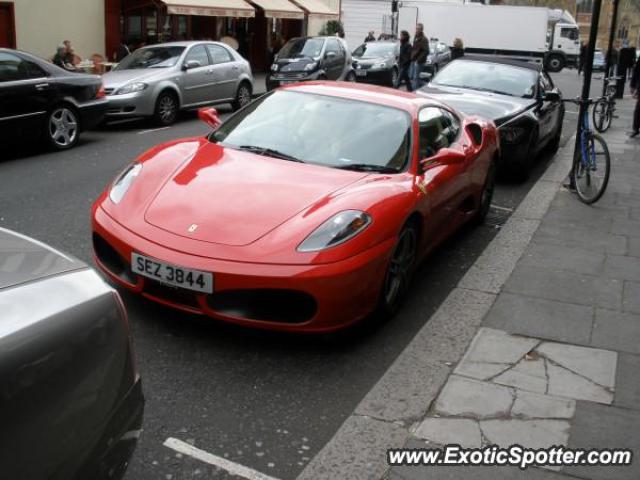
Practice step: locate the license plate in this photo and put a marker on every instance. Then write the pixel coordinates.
(171, 274)
(361, 73)
(286, 82)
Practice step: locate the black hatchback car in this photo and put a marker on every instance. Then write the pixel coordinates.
(311, 58)
(377, 62)
(40, 100)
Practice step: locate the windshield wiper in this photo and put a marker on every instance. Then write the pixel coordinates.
(269, 152)
(367, 167)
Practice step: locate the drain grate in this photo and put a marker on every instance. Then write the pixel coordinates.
(497, 216)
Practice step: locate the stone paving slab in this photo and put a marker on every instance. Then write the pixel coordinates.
(628, 382)
(617, 330)
(631, 297)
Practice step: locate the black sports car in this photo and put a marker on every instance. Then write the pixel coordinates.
(377, 62)
(41, 100)
(520, 98)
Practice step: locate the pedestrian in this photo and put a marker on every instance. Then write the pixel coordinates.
(635, 91)
(582, 58)
(123, 51)
(404, 61)
(60, 58)
(419, 54)
(457, 50)
(625, 61)
(370, 37)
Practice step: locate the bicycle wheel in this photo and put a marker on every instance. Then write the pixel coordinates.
(601, 115)
(591, 175)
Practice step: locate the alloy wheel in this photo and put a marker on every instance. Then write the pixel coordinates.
(167, 108)
(63, 127)
(244, 96)
(400, 268)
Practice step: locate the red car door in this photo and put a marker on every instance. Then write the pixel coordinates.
(444, 184)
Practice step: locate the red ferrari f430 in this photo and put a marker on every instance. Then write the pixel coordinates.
(306, 211)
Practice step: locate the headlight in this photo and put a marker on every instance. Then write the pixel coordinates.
(429, 61)
(338, 229)
(380, 65)
(310, 66)
(123, 181)
(511, 134)
(132, 88)
(274, 67)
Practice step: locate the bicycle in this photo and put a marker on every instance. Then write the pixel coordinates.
(590, 173)
(605, 107)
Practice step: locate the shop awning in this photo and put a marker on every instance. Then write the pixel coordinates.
(318, 8)
(210, 8)
(279, 9)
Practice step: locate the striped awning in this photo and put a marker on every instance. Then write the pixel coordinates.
(210, 8)
(279, 9)
(317, 8)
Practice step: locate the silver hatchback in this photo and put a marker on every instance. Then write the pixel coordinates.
(159, 80)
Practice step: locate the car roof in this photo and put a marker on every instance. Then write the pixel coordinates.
(185, 43)
(389, 97)
(502, 61)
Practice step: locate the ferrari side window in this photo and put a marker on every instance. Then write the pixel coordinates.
(434, 131)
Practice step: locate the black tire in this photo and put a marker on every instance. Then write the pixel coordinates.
(486, 196)
(521, 170)
(243, 96)
(554, 144)
(62, 127)
(393, 77)
(555, 63)
(350, 77)
(399, 272)
(601, 115)
(167, 107)
(590, 182)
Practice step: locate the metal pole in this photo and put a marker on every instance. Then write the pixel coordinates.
(612, 33)
(586, 85)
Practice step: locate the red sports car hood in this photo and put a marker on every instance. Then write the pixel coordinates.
(230, 197)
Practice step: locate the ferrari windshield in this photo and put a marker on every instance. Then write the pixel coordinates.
(151, 57)
(488, 77)
(302, 47)
(375, 49)
(331, 131)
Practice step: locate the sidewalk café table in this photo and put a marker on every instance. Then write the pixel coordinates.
(108, 65)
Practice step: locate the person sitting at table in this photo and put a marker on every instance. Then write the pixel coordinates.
(60, 58)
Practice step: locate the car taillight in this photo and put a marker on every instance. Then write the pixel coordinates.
(101, 93)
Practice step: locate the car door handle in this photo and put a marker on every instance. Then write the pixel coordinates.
(42, 86)
(235, 67)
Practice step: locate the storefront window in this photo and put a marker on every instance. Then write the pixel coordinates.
(134, 26)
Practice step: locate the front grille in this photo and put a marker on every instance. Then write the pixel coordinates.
(177, 295)
(363, 66)
(292, 74)
(267, 305)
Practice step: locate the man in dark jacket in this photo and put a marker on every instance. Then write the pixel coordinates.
(370, 37)
(419, 54)
(404, 61)
(635, 87)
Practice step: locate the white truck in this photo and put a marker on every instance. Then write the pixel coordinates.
(531, 33)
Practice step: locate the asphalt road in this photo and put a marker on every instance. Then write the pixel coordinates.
(262, 400)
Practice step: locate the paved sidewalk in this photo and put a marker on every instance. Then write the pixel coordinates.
(557, 358)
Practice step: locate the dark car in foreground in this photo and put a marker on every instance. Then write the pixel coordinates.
(311, 58)
(377, 62)
(70, 397)
(40, 100)
(518, 97)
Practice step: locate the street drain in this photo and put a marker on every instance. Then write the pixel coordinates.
(497, 216)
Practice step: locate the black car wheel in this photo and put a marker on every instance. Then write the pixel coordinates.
(166, 110)
(393, 77)
(487, 195)
(63, 128)
(554, 144)
(351, 77)
(243, 96)
(399, 272)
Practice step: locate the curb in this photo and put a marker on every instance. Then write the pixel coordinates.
(401, 398)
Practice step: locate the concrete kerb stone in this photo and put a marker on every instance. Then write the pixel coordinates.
(404, 394)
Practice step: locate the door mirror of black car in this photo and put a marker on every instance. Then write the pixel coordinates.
(330, 55)
(210, 116)
(444, 156)
(551, 97)
(191, 64)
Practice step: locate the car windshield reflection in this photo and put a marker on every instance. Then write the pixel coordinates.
(151, 57)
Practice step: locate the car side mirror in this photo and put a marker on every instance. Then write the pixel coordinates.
(191, 64)
(551, 97)
(210, 116)
(330, 55)
(444, 156)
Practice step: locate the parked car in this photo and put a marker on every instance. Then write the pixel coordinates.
(70, 396)
(42, 101)
(377, 62)
(599, 61)
(328, 219)
(159, 80)
(439, 56)
(518, 97)
(311, 58)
